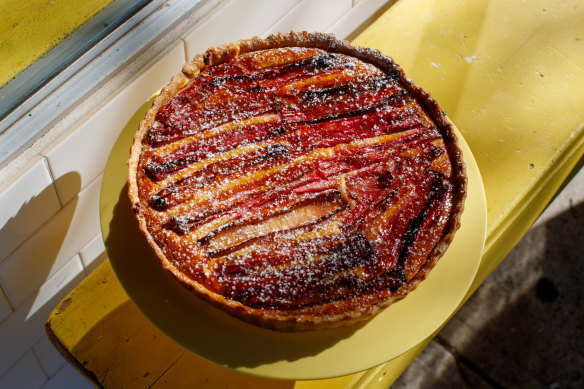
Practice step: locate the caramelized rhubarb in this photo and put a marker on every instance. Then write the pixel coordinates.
(297, 181)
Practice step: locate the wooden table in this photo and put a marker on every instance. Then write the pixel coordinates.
(508, 73)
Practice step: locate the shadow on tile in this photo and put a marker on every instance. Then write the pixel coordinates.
(30, 281)
(39, 256)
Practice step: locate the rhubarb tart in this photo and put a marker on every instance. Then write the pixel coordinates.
(296, 182)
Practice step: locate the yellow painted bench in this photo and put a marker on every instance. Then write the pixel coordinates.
(508, 73)
(30, 29)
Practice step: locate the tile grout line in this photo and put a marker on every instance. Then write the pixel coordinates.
(297, 5)
(222, 4)
(12, 309)
(52, 176)
(19, 359)
(186, 52)
(34, 353)
(462, 361)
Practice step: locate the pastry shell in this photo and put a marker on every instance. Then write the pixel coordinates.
(330, 314)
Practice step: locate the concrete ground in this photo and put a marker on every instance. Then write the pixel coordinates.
(524, 327)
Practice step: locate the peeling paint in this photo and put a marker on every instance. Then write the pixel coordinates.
(470, 58)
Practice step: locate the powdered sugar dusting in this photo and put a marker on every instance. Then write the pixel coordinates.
(289, 178)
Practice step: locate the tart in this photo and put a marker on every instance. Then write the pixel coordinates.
(296, 182)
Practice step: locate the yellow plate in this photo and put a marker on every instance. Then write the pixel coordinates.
(217, 337)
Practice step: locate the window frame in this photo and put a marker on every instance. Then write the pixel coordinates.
(59, 95)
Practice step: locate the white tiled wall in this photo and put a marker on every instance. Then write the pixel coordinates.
(26, 206)
(49, 216)
(316, 15)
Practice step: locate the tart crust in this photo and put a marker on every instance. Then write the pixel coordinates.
(327, 314)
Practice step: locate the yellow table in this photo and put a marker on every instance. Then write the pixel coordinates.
(508, 73)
